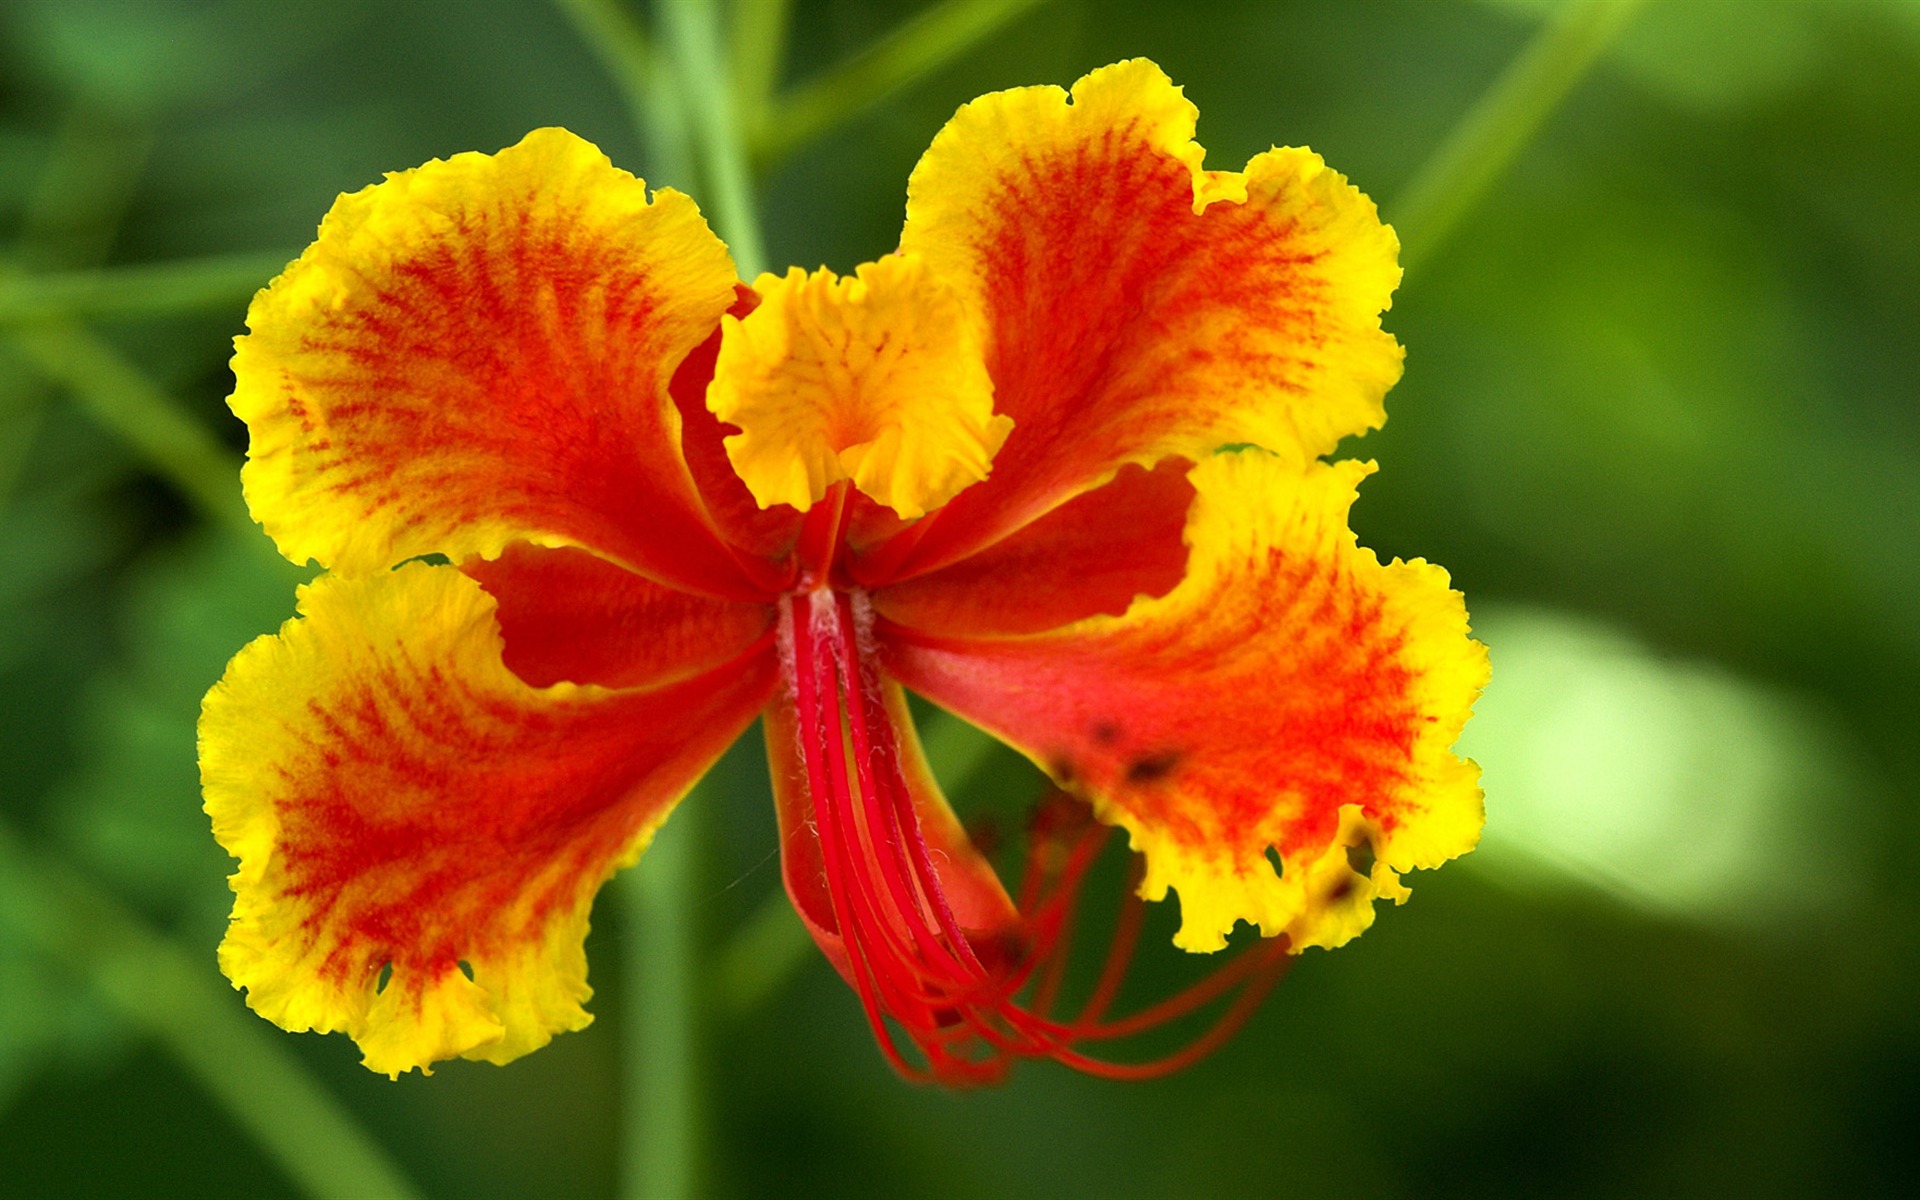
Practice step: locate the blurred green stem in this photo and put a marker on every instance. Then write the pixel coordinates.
(147, 290)
(692, 30)
(683, 99)
(1485, 142)
(665, 1109)
(903, 57)
(175, 997)
(759, 47)
(647, 83)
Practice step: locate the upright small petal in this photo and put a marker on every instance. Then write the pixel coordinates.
(877, 379)
(1138, 306)
(1291, 694)
(420, 833)
(478, 352)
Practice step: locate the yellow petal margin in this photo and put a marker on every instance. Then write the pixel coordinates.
(877, 379)
(421, 834)
(477, 352)
(1290, 695)
(1137, 305)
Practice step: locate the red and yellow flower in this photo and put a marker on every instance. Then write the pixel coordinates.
(1055, 465)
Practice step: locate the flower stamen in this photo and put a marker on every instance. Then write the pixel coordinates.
(954, 992)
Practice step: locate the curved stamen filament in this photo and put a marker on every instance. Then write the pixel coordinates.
(922, 976)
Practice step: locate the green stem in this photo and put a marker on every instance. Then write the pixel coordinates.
(647, 83)
(1499, 126)
(175, 997)
(683, 104)
(693, 31)
(665, 1124)
(759, 47)
(159, 288)
(901, 58)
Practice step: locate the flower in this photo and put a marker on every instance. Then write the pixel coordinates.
(588, 506)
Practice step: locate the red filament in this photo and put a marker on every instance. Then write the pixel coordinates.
(968, 1003)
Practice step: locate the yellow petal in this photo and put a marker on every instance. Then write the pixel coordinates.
(477, 352)
(876, 379)
(1137, 306)
(1291, 694)
(403, 804)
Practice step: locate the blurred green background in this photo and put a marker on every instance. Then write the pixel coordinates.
(1659, 420)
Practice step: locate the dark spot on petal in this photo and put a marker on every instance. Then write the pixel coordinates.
(1149, 767)
(1340, 891)
(1062, 770)
(1106, 733)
